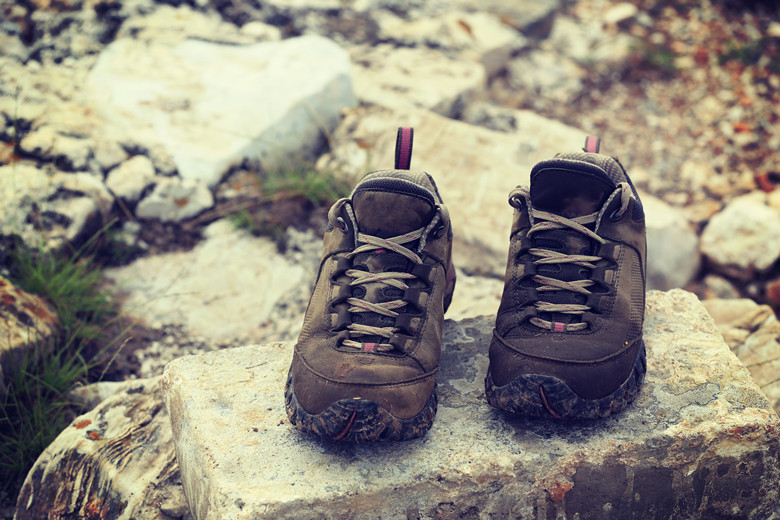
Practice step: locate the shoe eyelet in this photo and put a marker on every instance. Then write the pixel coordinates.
(342, 225)
(614, 217)
(438, 232)
(516, 201)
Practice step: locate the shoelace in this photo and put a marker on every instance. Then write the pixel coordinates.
(546, 221)
(391, 278)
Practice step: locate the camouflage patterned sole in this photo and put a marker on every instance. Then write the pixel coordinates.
(547, 396)
(359, 420)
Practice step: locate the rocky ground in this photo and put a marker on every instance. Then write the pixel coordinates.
(132, 111)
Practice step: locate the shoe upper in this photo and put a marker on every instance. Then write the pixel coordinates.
(373, 326)
(574, 295)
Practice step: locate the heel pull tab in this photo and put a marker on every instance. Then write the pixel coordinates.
(592, 144)
(403, 147)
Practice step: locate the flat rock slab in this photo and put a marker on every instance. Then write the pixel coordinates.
(701, 441)
(211, 105)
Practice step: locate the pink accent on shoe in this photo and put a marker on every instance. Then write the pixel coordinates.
(592, 144)
(559, 327)
(369, 347)
(403, 148)
(379, 251)
(450, 276)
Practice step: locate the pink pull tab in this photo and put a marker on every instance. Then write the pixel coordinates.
(592, 144)
(403, 148)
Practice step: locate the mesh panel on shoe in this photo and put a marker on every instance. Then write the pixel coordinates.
(411, 182)
(613, 169)
(637, 303)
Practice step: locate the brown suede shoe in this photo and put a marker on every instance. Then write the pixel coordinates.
(364, 367)
(568, 337)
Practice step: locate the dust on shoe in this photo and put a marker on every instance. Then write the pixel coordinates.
(568, 336)
(365, 364)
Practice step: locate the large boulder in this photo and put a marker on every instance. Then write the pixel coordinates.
(212, 105)
(475, 168)
(701, 440)
(116, 461)
(744, 238)
(752, 331)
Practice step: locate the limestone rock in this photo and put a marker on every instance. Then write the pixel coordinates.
(474, 168)
(256, 107)
(116, 461)
(554, 76)
(68, 153)
(474, 296)
(533, 18)
(752, 331)
(175, 199)
(400, 78)
(47, 211)
(480, 36)
(196, 290)
(744, 238)
(26, 321)
(672, 245)
(129, 180)
(700, 442)
(88, 185)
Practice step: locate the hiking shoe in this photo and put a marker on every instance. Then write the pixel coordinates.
(364, 367)
(568, 337)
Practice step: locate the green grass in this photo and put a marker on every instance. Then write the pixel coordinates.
(303, 183)
(304, 180)
(36, 409)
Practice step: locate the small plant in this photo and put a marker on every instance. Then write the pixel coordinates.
(286, 197)
(303, 180)
(35, 408)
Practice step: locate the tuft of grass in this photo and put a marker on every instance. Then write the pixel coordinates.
(70, 284)
(286, 197)
(35, 408)
(303, 180)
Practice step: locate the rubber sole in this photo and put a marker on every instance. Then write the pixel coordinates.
(547, 396)
(359, 420)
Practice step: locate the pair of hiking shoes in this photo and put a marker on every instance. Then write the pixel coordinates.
(568, 336)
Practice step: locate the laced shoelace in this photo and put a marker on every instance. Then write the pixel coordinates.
(544, 221)
(391, 278)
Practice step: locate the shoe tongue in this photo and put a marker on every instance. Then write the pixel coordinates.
(387, 214)
(570, 188)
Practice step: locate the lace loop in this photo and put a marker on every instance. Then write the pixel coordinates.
(546, 221)
(390, 278)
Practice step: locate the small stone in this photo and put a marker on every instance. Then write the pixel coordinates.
(86, 184)
(68, 153)
(672, 246)
(174, 200)
(108, 153)
(620, 13)
(744, 238)
(129, 180)
(261, 31)
(558, 77)
(714, 286)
